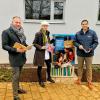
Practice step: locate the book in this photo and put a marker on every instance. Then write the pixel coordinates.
(50, 48)
(69, 73)
(68, 44)
(59, 44)
(20, 46)
(64, 71)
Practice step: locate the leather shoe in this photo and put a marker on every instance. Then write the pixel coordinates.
(90, 85)
(51, 80)
(21, 91)
(42, 84)
(78, 82)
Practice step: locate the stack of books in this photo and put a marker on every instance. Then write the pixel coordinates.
(61, 72)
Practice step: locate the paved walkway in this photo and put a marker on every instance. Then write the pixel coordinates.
(63, 89)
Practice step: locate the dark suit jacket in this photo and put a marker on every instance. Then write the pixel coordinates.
(9, 37)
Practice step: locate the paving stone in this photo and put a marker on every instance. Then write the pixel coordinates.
(82, 98)
(62, 90)
(36, 95)
(9, 94)
(28, 99)
(90, 98)
(3, 85)
(2, 92)
(2, 97)
(9, 86)
(9, 98)
(21, 97)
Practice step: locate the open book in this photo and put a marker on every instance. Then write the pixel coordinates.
(20, 46)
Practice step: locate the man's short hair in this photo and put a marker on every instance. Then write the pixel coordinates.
(85, 20)
(16, 17)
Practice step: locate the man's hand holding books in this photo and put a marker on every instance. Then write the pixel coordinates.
(21, 48)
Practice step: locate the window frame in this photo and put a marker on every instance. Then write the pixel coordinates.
(98, 21)
(52, 20)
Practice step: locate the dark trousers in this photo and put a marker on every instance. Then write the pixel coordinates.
(39, 70)
(16, 71)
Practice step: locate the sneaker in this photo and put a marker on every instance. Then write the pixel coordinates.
(42, 84)
(21, 91)
(51, 80)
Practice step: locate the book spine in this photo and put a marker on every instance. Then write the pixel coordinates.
(64, 69)
(69, 73)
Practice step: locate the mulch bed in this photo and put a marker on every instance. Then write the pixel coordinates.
(95, 74)
(29, 73)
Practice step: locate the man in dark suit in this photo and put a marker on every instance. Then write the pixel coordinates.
(41, 55)
(17, 56)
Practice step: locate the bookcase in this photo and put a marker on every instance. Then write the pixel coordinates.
(63, 57)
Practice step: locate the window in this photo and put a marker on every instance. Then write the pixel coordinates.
(58, 10)
(52, 10)
(99, 12)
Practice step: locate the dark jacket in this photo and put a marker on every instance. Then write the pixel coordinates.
(88, 40)
(9, 37)
(39, 56)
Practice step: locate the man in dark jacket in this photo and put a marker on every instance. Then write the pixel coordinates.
(86, 41)
(41, 55)
(17, 56)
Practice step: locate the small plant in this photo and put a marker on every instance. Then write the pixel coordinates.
(96, 68)
(5, 75)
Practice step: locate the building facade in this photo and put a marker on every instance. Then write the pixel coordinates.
(64, 16)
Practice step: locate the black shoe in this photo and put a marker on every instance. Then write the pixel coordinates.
(42, 84)
(21, 91)
(51, 80)
(17, 98)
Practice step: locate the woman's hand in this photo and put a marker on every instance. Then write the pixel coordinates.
(29, 47)
(43, 47)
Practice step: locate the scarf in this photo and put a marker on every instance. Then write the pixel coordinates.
(19, 33)
(45, 39)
